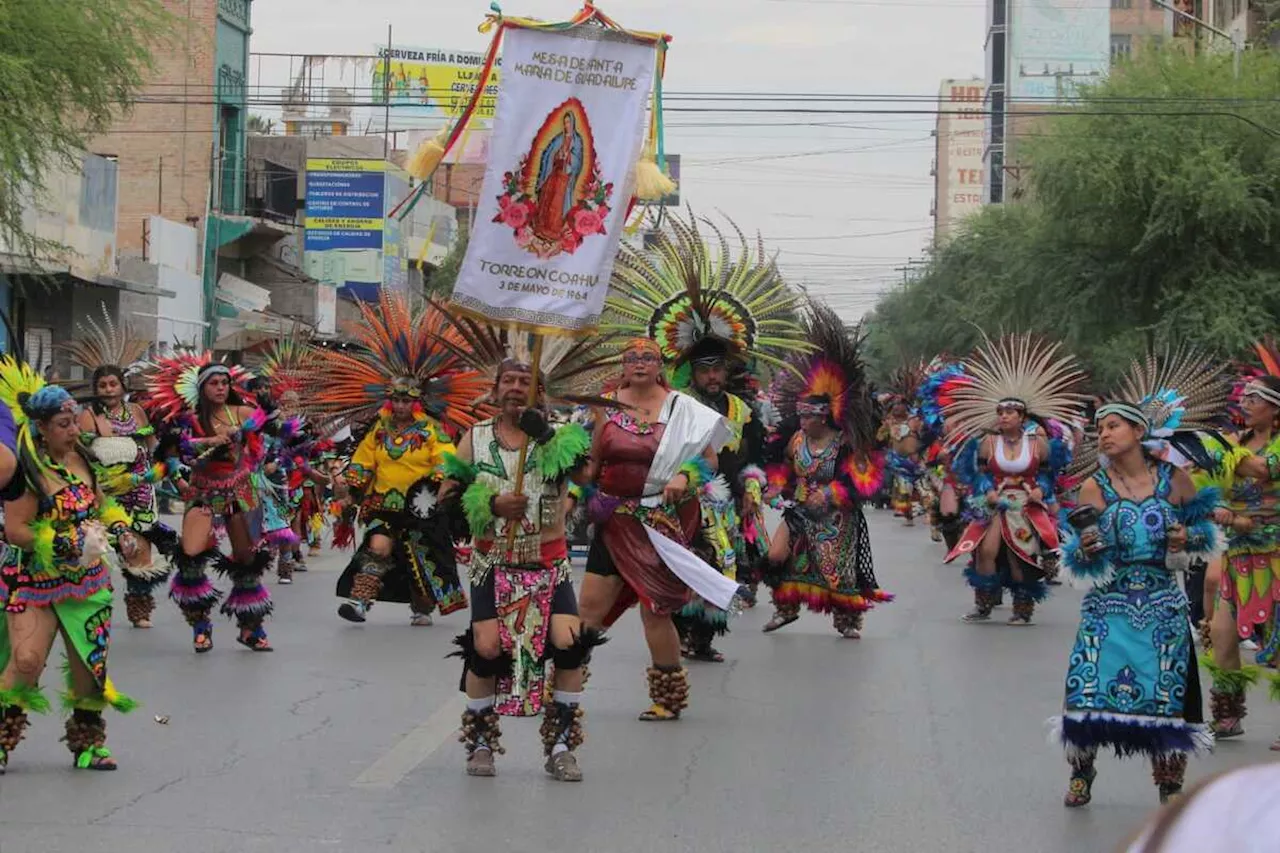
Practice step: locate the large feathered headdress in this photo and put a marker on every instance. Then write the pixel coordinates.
(570, 370)
(835, 371)
(26, 397)
(173, 386)
(401, 351)
(937, 390)
(103, 344)
(289, 364)
(692, 297)
(1177, 396)
(904, 383)
(1020, 370)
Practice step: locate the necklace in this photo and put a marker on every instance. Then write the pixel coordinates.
(1132, 493)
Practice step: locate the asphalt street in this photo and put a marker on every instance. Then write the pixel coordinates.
(927, 734)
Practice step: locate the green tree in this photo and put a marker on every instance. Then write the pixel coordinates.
(441, 280)
(261, 125)
(67, 71)
(1152, 216)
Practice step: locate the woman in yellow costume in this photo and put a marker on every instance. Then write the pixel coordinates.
(55, 577)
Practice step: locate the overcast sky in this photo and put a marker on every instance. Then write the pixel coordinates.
(826, 214)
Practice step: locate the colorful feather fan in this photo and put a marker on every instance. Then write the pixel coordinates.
(682, 292)
(835, 371)
(904, 383)
(399, 347)
(1183, 393)
(289, 364)
(102, 344)
(171, 383)
(1017, 366)
(571, 370)
(17, 383)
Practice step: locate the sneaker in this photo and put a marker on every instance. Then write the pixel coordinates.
(286, 580)
(421, 620)
(563, 767)
(480, 763)
(1249, 646)
(976, 616)
(353, 611)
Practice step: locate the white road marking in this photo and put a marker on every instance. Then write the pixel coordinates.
(413, 749)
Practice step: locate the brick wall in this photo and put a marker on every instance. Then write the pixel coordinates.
(164, 149)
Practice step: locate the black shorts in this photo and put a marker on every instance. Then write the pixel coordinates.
(599, 561)
(484, 606)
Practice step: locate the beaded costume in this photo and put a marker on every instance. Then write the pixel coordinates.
(409, 355)
(67, 568)
(706, 304)
(1031, 378)
(1132, 682)
(120, 441)
(224, 479)
(820, 487)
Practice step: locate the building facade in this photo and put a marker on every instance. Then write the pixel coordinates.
(1037, 53)
(958, 167)
(181, 148)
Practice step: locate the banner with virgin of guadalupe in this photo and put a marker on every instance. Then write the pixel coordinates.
(567, 134)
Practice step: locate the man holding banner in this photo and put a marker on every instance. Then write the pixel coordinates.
(523, 609)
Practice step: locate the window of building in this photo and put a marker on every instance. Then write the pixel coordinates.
(1121, 4)
(997, 59)
(998, 13)
(997, 118)
(996, 186)
(1121, 47)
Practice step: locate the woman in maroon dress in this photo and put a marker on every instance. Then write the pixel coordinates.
(623, 566)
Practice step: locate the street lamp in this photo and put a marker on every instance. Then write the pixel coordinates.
(1237, 41)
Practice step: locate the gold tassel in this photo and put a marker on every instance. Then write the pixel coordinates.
(426, 158)
(652, 184)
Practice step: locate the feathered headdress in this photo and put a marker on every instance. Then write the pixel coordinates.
(173, 387)
(570, 370)
(834, 371)
(289, 364)
(1021, 370)
(1178, 397)
(401, 350)
(102, 344)
(691, 297)
(904, 383)
(937, 391)
(26, 396)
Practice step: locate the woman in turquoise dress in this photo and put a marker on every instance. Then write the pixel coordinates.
(1132, 682)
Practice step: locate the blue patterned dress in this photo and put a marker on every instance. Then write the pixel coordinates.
(1132, 681)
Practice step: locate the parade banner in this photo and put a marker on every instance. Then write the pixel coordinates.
(569, 129)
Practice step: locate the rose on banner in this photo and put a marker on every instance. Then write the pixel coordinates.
(555, 199)
(569, 129)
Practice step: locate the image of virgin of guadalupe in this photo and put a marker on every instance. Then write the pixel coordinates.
(558, 171)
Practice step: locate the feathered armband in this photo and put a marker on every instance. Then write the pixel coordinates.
(458, 470)
(477, 505)
(564, 452)
(1092, 569)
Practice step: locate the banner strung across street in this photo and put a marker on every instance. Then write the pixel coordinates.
(569, 129)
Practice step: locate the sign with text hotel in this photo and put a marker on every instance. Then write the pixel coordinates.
(961, 125)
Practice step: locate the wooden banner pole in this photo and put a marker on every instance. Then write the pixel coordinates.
(535, 369)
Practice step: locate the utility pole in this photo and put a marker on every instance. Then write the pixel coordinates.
(1236, 39)
(386, 99)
